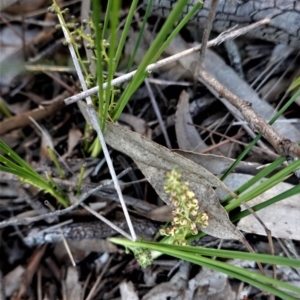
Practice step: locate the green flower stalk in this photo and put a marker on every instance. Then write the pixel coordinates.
(186, 209)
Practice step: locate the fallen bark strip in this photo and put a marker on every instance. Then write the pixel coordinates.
(89, 230)
(19, 121)
(283, 146)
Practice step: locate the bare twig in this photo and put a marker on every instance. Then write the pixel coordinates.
(20, 121)
(283, 146)
(210, 19)
(233, 139)
(106, 221)
(230, 34)
(98, 280)
(26, 221)
(30, 271)
(267, 230)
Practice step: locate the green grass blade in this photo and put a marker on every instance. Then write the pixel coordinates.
(289, 193)
(192, 255)
(262, 174)
(99, 63)
(14, 156)
(270, 182)
(230, 254)
(295, 84)
(106, 18)
(139, 39)
(262, 282)
(114, 21)
(245, 152)
(125, 32)
(3, 108)
(285, 107)
(37, 181)
(177, 29)
(149, 57)
(24, 175)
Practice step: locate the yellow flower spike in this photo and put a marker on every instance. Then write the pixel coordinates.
(183, 222)
(189, 205)
(190, 194)
(194, 212)
(195, 201)
(194, 232)
(177, 210)
(183, 198)
(162, 231)
(176, 220)
(186, 208)
(204, 217)
(175, 203)
(193, 226)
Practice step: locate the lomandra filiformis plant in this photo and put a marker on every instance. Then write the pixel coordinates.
(186, 209)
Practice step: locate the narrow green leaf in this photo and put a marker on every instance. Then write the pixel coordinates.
(249, 147)
(149, 57)
(99, 70)
(14, 156)
(270, 182)
(112, 60)
(289, 193)
(125, 31)
(141, 32)
(186, 253)
(262, 174)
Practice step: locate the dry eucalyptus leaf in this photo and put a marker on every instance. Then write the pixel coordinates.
(219, 224)
(218, 165)
(74, 137)
(139, 125)
(127, 291)
(12, 280)
(13, 43)
(282, 218)
(210, 284)
(154, 160)
(173, 289)
(152, 154)
(188, 137)
(73, 288)
(160, 214)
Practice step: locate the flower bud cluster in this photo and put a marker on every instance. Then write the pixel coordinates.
(186, 209)
(143, 256)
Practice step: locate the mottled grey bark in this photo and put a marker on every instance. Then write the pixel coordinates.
(92, 230)
(284, 27)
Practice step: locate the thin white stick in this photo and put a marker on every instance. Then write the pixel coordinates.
(67, 248)
(229, 34)
(106, 221)
(95, 123)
